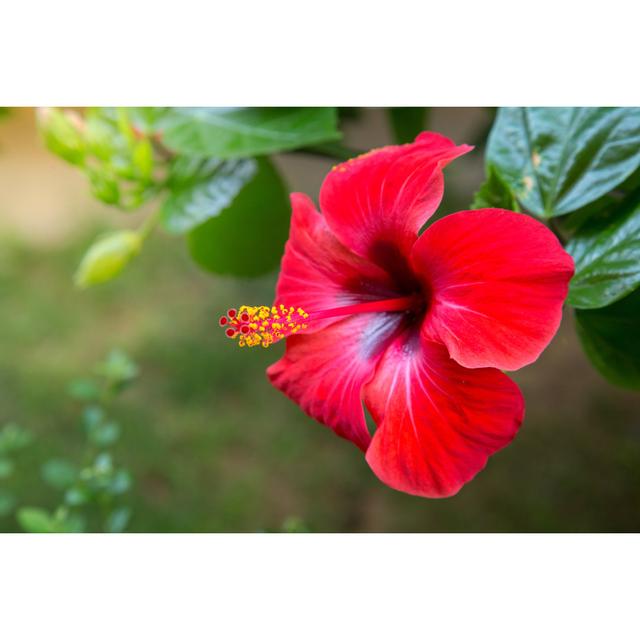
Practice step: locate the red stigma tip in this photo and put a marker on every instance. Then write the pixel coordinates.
(244, 329)
(230, 332)
(223, 320)
(244, 317)
(232, 313)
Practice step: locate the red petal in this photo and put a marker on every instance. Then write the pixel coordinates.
(437, 422)
(498, 280)
(319, 273)
(380, 200)
(324, 372)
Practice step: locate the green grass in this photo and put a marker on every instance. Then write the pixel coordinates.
(213, 447)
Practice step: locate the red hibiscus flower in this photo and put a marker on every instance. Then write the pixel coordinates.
(416, 326)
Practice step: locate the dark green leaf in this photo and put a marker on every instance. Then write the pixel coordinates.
(60, 474)
(192, 205)
(247, 238)
(610, 339)
(494, 193)
(242, 132)
(607, 257)
(557, 160)
(407, 122)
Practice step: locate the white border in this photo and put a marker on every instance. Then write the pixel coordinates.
(319, 587)
(373, 53)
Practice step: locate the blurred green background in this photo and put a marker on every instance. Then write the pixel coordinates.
(211, 445)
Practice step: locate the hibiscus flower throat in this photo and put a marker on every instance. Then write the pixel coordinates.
(262, 326)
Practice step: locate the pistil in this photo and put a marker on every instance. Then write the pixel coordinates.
(253, 326)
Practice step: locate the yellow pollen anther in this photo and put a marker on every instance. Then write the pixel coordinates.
(253, 326)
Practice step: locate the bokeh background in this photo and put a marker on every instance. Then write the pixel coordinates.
(211, 445)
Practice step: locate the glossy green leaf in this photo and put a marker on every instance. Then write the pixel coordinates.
(407, 122)
(494, 193)
(557, 160)
(611, 341)
(195, 203)
(607, 257)
(247, 238)
(242, 132)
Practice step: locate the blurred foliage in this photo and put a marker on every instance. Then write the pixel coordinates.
(92, 489)
(204, 164)
(407, 122)
(212, 447)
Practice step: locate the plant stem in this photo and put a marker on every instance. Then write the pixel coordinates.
(149, 225)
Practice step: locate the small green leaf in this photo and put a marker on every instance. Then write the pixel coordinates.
(293, 524)
(407, 122)
(558, 160)
(13, 438)
(118, 520)
(196, 203)
(121, 482)
(610, 339)
(104, 435)
(607, 257)
(247, 238)
(107, 257)
(83, 389)
(117, 368)
(494, 193)
(66, 522)
(7, 502)
(104, 186)
(76, 496)
(243, 132)
(59, 474)
(34, 520)
(6, 468)
(93, 415)
(142, 157)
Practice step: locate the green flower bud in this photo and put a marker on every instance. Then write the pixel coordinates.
(107, 257)
(63, 134)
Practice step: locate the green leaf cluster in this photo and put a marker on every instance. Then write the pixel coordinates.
(93, 488)
(580, 168)
(205, 169)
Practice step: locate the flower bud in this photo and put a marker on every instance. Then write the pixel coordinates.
(63, 134)
(107, 257)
